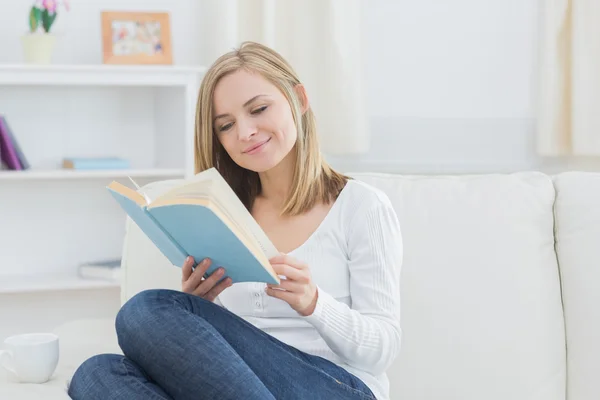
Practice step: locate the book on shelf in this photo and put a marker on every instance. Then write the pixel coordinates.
(108, 269)
(203, 218)
(95, 163)
(11, 153)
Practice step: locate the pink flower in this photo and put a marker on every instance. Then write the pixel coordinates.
(50, 5)
(66, 4)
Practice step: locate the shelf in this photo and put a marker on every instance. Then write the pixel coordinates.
(90, 174)
(28, 284)
(98, 75)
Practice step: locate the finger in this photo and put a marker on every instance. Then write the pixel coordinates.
(186, 269)
(196, 278)
(291, 261)
(288, 297)
(290, 272)
(209, 282)
(290, 286)
(216, 290)
(214, 278)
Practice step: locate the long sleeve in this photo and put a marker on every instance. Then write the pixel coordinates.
(367, 334)
(218, 302)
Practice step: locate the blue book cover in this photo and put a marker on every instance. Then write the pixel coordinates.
(95, 163)
(180, 227)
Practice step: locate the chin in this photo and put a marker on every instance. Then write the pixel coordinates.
(260, 166)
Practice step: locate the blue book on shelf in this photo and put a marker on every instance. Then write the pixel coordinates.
(92, 163)
(205, 219)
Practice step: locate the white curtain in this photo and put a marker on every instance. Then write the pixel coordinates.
(569, 87)
(322, 39)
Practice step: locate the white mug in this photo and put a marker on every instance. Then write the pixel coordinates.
(31, 357)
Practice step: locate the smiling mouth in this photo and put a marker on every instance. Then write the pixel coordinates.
(256, 147)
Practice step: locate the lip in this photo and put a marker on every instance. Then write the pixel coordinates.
(256, 148)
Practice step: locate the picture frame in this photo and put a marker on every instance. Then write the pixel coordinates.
(136, 37)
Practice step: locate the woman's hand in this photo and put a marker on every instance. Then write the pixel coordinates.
(299, 290)
(192, 281)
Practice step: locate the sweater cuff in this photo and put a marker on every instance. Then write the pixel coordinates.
(323, 300)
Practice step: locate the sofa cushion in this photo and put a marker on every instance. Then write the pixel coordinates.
(480, 293)
(578, 247)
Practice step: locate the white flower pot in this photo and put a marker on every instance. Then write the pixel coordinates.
(38, 47)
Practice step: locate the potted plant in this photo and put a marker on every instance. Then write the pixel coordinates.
(38, 43)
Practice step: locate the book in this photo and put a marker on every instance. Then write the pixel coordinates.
(8, 153)
(109, 269)
(93, 163)
(202, 218)
(17, 148)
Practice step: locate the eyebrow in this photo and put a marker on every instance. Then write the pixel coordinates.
(245, 104)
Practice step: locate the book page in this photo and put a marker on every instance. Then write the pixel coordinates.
(211, 185)
(139, 189)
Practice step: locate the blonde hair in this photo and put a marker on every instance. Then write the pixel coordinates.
(313, 181)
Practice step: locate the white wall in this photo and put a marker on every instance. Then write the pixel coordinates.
(451, 87)
(450, 84)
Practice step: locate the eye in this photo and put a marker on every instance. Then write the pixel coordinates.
(259, 110)
(225, 127)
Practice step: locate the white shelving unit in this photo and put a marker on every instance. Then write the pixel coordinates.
(97, 75)
(90, 174)
(51, 283)
(53, 219)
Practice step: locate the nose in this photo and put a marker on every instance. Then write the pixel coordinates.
(246, 129)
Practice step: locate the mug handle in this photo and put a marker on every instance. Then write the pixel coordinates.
(5, 359)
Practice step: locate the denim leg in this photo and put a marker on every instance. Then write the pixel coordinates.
(112, 377)
(162, 332)
(193, 348)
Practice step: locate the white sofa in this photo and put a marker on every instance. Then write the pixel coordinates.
(483, 313)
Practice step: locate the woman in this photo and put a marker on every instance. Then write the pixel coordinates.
(330, 329)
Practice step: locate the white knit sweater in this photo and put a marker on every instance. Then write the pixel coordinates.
(355, 256)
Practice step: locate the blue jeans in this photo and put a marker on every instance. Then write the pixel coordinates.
(180, 346)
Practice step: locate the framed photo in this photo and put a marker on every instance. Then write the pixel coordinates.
(136, 38)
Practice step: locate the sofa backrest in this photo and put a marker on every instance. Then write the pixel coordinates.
(481, 302)
(578, 247)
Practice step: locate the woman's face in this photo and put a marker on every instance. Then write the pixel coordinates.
(253, 121)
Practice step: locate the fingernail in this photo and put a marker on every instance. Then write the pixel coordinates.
(221, 271)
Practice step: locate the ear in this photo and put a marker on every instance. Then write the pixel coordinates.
(302, 96)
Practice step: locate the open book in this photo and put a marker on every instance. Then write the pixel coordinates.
(203, 217)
